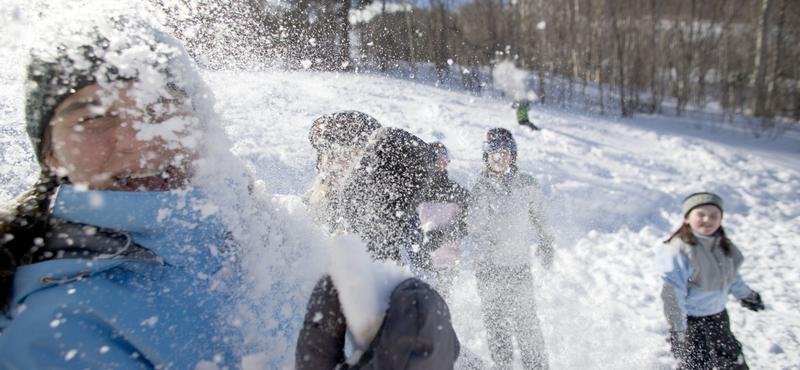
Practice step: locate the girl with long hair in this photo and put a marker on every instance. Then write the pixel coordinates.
(699, 267)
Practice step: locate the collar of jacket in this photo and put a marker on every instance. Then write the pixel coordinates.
(500, 183)
(708, 241)
(180, 226)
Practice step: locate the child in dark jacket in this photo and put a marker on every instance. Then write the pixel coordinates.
(443, 216)
(699, 267)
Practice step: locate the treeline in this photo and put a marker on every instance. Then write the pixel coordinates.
(741, 54)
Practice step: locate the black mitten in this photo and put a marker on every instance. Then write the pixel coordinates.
(752, 302)
(320, 344)
(415, 334)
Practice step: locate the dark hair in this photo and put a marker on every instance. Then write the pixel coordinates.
(439, 148)
(685, 234)
(26, 220)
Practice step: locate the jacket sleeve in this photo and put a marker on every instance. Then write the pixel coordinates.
(463, 210)
(739, 289)
(538, 214)
(674, 272)
(477, 221)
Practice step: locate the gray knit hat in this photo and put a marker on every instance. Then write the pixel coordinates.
(700, 199)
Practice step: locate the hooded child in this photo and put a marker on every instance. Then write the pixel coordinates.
(503, 205)
(339, 139)
(443, 215)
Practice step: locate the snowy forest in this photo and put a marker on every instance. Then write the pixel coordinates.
(741, 55)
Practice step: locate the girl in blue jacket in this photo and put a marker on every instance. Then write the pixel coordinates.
(129, 252)
(699, 267)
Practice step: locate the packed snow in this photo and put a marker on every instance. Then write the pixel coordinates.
(614, 189)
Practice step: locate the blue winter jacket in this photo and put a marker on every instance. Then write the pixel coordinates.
(698, 278)
(99, 313)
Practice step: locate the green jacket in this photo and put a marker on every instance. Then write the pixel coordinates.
(522, 110)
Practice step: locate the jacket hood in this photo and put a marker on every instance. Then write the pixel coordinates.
(347, 128)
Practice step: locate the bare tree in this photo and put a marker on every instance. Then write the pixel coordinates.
(759, 104)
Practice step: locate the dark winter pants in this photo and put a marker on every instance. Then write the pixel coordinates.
(508, 307)
(710, 344)
(528, 124)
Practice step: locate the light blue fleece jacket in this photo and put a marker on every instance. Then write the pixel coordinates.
(697, 279)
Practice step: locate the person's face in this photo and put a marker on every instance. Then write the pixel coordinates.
(705, 220)
(110, 139)
(500, 161)
(441, 163)
(336, 160)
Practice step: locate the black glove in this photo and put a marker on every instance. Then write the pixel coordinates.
(752, 302)
(676, 340)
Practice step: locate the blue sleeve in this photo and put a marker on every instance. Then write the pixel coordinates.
(739, 289)
(674, 272)
(42, 338)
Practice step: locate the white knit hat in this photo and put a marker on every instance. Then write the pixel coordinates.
(700, 199)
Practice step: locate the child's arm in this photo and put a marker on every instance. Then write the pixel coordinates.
(674, 271)
(739, 289)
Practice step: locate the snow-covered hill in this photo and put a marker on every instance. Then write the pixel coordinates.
(614, 190)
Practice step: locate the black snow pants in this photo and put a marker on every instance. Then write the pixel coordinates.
(508, 305)
(416, 333)
(710, 344)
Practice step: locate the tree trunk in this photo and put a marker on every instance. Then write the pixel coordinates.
(759, 102)
(412, 56)
(619, 46)
(774, 88)
(344, 35)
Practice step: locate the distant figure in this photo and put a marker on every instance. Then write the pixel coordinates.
(522, 114)
(699, 267)
(503, 205)
(443, 216)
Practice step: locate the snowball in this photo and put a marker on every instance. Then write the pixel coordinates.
(364, 286)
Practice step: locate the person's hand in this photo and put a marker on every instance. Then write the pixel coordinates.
(545, 252)
(434, 239)
(752, 302)
(547, 260)
(677, 342)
